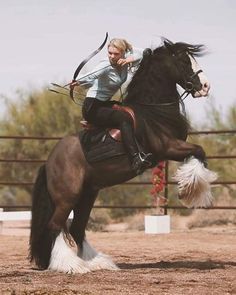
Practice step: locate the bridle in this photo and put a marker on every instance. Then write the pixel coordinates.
(188, 82)
(189, 87)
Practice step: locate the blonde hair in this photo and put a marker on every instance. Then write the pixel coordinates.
(120, 44)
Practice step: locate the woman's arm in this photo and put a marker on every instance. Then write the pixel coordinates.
(88, 79)
(135, 56)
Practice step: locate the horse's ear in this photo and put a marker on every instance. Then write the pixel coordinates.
(169, 46)
(166, 44)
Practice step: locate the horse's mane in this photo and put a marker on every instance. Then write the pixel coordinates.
(193, 49)
(142, 89)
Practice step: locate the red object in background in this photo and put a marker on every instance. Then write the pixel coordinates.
(158, 180)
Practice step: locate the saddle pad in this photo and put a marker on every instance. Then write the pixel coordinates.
(98, 145)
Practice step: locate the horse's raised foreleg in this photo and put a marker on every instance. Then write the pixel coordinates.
(95, 260)
(179, 151)
(193, 177)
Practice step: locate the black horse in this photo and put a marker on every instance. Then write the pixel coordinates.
(68, 182)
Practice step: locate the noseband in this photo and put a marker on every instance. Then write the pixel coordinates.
(189, 87)
(188, 83)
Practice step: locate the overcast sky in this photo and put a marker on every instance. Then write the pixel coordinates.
(44, 41)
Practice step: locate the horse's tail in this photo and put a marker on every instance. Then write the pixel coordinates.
(41, 237)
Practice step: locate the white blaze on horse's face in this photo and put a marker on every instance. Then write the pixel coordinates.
(203, 79)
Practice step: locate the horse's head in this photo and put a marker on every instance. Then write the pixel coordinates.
(186, 69)
(154, 82)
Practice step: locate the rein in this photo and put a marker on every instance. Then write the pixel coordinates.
(154, 104)
(181, 101)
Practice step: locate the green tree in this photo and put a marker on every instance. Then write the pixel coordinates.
(40, 113)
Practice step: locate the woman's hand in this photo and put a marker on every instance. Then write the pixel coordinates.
(73, 84)
(125, 61)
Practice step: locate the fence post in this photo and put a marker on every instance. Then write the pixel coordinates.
(166, 186)
(1, 222)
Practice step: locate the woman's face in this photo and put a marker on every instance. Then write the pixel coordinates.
(114, 55)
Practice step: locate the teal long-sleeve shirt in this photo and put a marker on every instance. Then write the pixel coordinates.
(105, 80)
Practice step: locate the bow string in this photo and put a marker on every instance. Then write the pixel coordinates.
(82, 64)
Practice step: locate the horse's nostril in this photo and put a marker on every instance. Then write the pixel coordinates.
(206, 85)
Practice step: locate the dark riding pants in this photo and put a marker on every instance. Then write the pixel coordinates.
(101, 114)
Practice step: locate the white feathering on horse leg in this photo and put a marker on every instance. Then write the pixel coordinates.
(64, 258)
(194, 184)
(96, 260)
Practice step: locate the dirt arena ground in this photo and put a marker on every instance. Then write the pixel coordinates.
(199, 261)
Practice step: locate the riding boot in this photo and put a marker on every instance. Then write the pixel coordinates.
(139, 160)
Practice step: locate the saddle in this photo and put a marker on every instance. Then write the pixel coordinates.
(100, 144)
(114, 133)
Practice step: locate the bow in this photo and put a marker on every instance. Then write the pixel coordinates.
(81, 65)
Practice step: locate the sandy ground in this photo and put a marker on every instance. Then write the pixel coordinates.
(199, 261)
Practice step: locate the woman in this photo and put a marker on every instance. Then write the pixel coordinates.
(102, 83)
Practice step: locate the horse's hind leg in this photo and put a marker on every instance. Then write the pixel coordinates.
(95, 260)
(66, 191)
(64, 251)
(193, 177)
(50, 211)
(82, 212)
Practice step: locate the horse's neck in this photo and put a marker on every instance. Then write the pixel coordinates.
(158, 91)
(153, 118)
(161, 95)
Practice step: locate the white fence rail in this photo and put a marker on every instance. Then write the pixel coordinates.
(17, 216)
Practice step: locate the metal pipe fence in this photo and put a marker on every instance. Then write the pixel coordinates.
(168, 182)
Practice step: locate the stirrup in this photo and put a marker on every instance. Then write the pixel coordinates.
(146, 158)
(141, 162)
